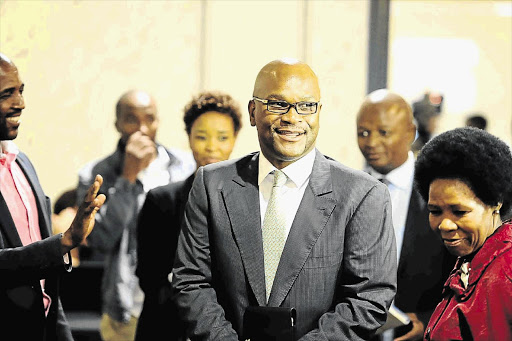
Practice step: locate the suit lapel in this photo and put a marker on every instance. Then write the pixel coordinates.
(312, 215)
(241, 197)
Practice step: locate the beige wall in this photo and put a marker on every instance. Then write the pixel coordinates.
(461, 48)
(77, 57)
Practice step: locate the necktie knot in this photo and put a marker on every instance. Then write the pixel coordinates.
(279, 178)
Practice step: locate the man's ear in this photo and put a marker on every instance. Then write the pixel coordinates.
(251, 107)
(411, 133)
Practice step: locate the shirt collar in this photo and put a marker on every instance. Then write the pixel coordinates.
(8, 147)
(298, 171)
(401, 176)
(8, 152)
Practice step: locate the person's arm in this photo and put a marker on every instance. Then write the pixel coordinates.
(41, 258)
(367, 275)
(36, 260)
(192, 277)
(490, 317)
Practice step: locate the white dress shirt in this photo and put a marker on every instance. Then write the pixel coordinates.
(400, 183)
(298, 174)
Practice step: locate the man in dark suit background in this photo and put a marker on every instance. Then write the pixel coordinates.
(337, 266)
(31, 259)
(386, 131)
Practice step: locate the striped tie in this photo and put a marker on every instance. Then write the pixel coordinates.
(274, 227)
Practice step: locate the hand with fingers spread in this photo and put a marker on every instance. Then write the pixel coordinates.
(140, 151)
(83, 223)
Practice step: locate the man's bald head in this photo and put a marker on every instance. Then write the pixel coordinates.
(385, 100)
(385, 130)
(136, 111)
(134, 98)
(280, 72)
(5, 64)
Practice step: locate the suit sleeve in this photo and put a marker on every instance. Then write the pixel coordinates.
(367, 275)
(38, 260)
(192, 276)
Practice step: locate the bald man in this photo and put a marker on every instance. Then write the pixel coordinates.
(138, 164)
(385, 133)
(329, 252)
(32, 259)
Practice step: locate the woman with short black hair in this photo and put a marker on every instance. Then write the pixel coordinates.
(465, 175)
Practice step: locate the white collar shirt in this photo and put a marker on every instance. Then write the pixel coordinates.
(400, 184)
(8, 146)
(156, 174)
(298, 174)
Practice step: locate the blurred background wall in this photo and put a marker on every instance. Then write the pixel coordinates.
(77, 57)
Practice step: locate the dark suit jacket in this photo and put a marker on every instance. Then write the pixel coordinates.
(424, 263)
(158, 229)
(22, 267)
(338, 266)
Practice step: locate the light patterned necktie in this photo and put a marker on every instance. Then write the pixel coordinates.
(274, 227)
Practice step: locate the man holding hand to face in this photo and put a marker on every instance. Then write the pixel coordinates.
(138, 165)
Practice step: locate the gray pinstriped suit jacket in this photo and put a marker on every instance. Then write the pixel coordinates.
(338, 267)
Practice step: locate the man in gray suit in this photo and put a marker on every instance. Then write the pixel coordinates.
(337, 265)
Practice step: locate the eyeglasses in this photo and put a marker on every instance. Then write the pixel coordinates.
(282, 107)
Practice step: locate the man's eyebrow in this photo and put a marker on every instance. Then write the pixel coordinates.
(280, 98)
(275, 97)
(11, 89)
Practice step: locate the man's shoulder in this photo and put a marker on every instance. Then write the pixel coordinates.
(344, 173)
(23, 156)
(232, 164)
(244, 168)
(25, 162)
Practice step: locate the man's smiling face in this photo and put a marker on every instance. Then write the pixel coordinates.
(285, 138)
(11, 100)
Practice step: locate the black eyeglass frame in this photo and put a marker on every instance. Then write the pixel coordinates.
(290, 105)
